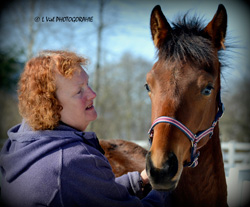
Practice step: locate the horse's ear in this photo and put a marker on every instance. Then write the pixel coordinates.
(217, 27)
(159, 26)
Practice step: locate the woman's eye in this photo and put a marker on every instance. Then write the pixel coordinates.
(147, 87)
(80, 90)
(208, 90)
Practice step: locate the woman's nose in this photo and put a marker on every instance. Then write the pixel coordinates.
(91, 94)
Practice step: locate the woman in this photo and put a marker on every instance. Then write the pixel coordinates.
(49, 159)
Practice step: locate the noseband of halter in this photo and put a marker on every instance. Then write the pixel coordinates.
(194, 138)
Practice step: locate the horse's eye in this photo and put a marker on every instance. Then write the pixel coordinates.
(147, 87)
(208, 90)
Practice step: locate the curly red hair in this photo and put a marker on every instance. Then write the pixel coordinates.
(38, 104)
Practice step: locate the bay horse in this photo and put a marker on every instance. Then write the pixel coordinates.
(184, 88)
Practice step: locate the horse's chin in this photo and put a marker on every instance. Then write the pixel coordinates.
(163, 181)
(167, 185)
(170, 186)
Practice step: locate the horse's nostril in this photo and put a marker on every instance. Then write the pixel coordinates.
(172, 163)
(164, 174)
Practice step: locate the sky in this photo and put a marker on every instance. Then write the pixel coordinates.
(136, 17)
(136, 32)
(133, 30)
(128, 27)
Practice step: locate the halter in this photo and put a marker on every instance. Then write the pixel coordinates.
(194, 138)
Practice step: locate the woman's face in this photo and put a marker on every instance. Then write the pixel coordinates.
(76, 98)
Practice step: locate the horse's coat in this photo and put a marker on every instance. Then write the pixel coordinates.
(183, 84)
(124, 156)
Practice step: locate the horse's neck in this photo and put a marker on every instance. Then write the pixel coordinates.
(204, 184)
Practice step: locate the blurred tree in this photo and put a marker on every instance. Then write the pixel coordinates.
(24, 25)
(235, 124)
(101, 25)
(10, 69)
(124, 107)
(100, 28)
(9, 113)
(19, 27)
(9, 73)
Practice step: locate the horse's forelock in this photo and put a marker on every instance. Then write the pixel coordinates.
(188, 43)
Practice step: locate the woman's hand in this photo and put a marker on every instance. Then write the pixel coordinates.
(144, 177)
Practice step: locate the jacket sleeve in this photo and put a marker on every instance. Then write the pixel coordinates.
(132, 181)
(86, 179)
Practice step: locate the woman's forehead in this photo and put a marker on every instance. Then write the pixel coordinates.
(79, 77)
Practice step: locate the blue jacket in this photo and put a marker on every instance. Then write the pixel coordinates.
(64, 167)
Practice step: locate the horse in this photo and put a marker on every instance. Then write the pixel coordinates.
(185, 156)
(124, 156)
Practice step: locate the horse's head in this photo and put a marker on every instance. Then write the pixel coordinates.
(183, 84)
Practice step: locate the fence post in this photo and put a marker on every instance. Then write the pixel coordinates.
(231, 153)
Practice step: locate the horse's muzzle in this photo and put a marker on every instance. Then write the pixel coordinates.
(161, 178)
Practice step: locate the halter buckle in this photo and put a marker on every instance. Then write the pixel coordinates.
(192, 143)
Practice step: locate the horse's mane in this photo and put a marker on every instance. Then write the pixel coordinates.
(188, 42)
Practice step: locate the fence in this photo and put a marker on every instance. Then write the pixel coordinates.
(235, 154)
(236, 157)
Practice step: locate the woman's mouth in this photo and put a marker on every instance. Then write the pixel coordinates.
(89, 107)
